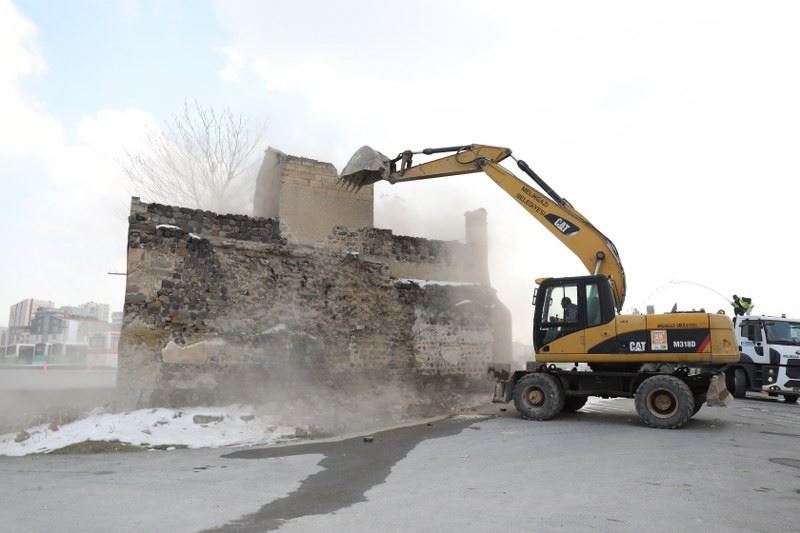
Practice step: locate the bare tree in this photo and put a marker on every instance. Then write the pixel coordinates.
(201, 158)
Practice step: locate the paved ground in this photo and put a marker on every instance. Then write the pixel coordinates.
(24, 378)
(31, 396)
(734, 469)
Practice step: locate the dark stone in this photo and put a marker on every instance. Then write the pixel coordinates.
(207, 419)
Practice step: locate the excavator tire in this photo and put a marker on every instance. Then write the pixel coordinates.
(739, 383)
(790, 398)
(664, 402)
(538, 396)
(574, 403)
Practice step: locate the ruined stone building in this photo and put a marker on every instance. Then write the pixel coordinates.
(219, 308)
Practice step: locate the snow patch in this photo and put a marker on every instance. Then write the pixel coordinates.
(234, 425)
(169, 226)
(462, 302)
(197, 237)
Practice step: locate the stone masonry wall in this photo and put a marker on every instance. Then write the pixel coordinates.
(304, 194)
(222, 308)
(307, 198)
(412, 257)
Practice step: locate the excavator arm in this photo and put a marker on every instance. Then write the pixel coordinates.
(595, 250)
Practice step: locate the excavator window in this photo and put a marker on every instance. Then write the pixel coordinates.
(561, 312)
(594, 311)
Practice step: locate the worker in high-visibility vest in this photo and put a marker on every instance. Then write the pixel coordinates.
(742, 305)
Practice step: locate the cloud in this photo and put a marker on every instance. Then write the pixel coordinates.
(234, 63)
(73, 230)
(24, 129)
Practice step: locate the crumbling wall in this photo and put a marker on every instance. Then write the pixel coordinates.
(313, 208)
(222, 308)
(305, 196)
(411, 257)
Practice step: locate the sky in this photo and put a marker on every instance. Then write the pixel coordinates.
(673, 128)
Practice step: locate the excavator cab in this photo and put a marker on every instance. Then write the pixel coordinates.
(567, 306)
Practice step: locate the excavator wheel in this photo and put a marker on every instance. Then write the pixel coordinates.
(574, 403)
(664, 402)
(538, 396)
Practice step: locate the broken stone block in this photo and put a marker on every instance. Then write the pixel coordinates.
(22, 436)
(192, 354)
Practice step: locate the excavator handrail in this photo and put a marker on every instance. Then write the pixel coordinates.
(595, 250)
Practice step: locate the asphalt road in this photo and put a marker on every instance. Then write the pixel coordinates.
(24, 378)
(729, 469)
(30, 396)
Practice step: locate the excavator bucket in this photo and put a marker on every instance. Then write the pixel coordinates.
(365, 167)
(717, 394)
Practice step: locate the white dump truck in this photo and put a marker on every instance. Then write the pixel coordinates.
(770, 357)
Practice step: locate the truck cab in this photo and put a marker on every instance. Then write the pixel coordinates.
(769, 360)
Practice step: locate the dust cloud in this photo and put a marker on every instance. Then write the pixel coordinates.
(435, 210)
(294, 384)
(30, 396)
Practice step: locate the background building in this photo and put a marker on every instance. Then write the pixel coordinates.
(94, 310)
(20, 316)
(78, 334)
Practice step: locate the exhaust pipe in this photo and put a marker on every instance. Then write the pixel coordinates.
(367, 166)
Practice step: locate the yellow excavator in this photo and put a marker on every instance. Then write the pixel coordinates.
(669, 363)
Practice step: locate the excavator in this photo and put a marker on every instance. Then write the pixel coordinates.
(671, 364)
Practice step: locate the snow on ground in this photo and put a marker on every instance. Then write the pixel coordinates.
(197, 427)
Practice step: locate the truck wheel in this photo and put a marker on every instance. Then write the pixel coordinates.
(790, 398)
(574, 403)
(739, 383)
(664, 402)
(699, 400)
(538, 396)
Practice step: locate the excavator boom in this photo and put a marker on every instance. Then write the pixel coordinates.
(595, 250)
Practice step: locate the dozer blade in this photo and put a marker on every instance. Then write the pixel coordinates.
(365, 167)
(717, 394)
